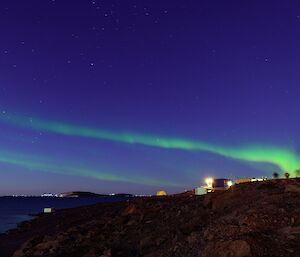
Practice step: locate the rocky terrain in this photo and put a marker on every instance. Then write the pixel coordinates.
(251, 219)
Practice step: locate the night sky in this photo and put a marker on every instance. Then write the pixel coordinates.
(137, 96)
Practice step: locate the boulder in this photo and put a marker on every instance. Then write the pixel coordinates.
(236, 248)
(292, 189)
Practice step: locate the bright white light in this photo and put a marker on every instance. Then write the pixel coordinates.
(209, 182)
(229, 183)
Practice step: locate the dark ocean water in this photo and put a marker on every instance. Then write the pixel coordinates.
(14, 210)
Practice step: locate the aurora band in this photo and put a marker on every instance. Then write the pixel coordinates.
(286, 159)
(42, 164)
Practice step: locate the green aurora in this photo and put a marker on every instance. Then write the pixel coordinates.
(41, 164)
(286, 159)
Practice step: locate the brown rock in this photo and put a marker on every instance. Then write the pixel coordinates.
(291, 230)
(131, 209)
(193, 238)
(208, 234)
(292, 188)
(207, 202)
(237, 248)
(146, 242)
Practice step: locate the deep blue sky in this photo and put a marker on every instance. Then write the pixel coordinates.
(222, 72)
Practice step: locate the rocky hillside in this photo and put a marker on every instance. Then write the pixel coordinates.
(251, 219)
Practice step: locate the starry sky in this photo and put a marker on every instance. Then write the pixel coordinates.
(137, 96)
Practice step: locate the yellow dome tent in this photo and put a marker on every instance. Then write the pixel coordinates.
(161, 193)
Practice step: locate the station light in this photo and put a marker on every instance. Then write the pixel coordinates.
(229, 183)
(209, 182)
